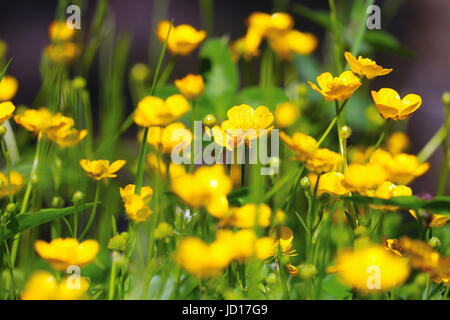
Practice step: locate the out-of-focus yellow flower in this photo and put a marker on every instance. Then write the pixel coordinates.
(59, 31)
(390, 105)
(62, 53)
(6, 111)
(249, 215)
(402, 168)
(264, 248)
(42, 285)
(340, 88)
(35, 120)
(294, 41)
(165, 139)
(8, 88)
(393, 245)
(241, 243)
(286, 114)
(360, 177)
(163, 231)
(388, 190)
(371, 269)
(398, 142)
(191, 86)
(16, 180)
(437, 220)
(183, 39)
(330, 182)
(268, 25)
(154, 111)
(303, 145)
(365, 66)
(201, 259)
(208, 186)
(246, 47)
(62, 253)
(358, 154)
(101, 169)
(136, 206)
(323, 160)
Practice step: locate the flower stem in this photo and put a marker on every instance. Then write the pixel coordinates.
(93, 212)
(331, 125)
(342, 144)
(385, 131)
(8, 168)
(112, 279)
(283, 280)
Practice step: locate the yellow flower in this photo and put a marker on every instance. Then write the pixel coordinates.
(360, 177)
(437, 220)
(294, 41)
(241, 244)
(292, 270)
(201, 259)
(191, 86)
(8, 88)
(183, 39)
(420, 254)
(264, 248)
(365, 66)
(323, 160)
(398, 142)
(246, 47)
(247, 215)
(268, 25)
(6, 111)
(62, 53)
(59, 31)
(371, 269)
(393, 245)
(388, 190)
(165, 139)
(402, 168)
(43, 286)
(339, 88)
(153, 111)
(208, 186)
(101, 169)
(136, 206)
(331, 183)
(246, 123)
(16, 183)
(62, 253)
(286, 114)
(35, 120)
(390, 105)
(283, 240)
(303, 145)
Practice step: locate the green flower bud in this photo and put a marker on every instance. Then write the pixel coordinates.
(209, 120)
(11, 209)
(34, 178)
(2, 131)
(271, 278)
(79, 83)
(307, 271)
(346, 132)
(446, 98)
(163, 230)
(118, 242)
(77, 197)
(140, 72)
(57, 202)
(435, 243)
(361, 231)
(305, 183)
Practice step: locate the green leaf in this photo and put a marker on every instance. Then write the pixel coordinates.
(220, 73)
(256, 96)
(332, 286)
(384, 41)
(439, 205)
(320, 17)
(25, 221)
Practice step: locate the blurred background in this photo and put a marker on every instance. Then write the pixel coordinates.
(422, 66)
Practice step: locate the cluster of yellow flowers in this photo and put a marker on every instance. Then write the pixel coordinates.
(278, 29)
(62, 50)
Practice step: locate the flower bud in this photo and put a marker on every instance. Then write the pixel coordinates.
(280, 217)
(271, 278)
(2, 131)
(446, 98)
(209, 120)
(11, 209)
(305, 183)
(77, 197)
(79, 83)
(346, 132)
(307, 271)
(57, 202)
(435, 243)
(163, 230)
(140, 72)
(118, 242)
(34, 178)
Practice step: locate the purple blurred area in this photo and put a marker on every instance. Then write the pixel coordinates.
(422, 26)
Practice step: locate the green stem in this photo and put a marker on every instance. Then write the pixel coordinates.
(331, 125)
(112, 279)
(339, 130)
(11, 271)
(283, 280)
(93, 212)
(336, 36)
(8, 168)
(385, 131)
(432, 144)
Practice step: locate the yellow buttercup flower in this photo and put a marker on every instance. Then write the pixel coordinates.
(294, 41)
(393, 245)
(337, 88)
(268, 25)
(62, 53)
(303, 145)
(286, 114)
(8, 88)
(183, 39)
(371, 269)
(154, 111)
(59, 31)
(16, 180)
(283, 242)
(136, 206)
(42, 285)
(437, 220)
(241, 244)
(388, 190)
(246, 47)
(167, 138)
(62, 253)
(323, 160)
(249, 215)
(191, 86)
(402, 168)
(101, 169)
(398, 142)
(6, 111)
(360, 177)
(35, 120)
(365, 66)
(330, 183)
(264, 248)
(390, 105)
(207, 187)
